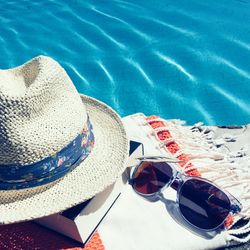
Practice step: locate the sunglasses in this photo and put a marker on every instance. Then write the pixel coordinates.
(201, 203)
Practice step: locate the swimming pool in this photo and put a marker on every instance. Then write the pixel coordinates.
(179, 59)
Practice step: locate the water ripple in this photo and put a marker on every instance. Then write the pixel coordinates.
(83, 79)
(86, 41)
(175, 64)
(175, 28)
(141, 56)
(245, 106)
(113, 92)
(242, 44)
(239, 71)
(208, 118)
(100, 30)
(130, 27)
(106, 72)
(141, 71)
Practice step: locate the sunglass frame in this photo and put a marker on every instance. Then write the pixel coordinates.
(181, 178)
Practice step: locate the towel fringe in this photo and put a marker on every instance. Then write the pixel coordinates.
(204, 152)
(237, 240)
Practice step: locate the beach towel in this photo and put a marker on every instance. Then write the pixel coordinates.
(220, 154)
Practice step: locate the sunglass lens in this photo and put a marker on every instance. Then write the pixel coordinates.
(150, 177)
(203, 204)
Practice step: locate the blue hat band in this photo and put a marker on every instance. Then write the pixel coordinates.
(51, 168)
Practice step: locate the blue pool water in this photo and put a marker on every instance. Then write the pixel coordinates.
(185, 59)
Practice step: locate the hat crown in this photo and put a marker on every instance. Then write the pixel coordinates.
(40, 111)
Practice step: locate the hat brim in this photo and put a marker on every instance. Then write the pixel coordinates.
(100, 169)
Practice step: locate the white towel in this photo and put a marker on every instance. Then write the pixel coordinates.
(136, 223)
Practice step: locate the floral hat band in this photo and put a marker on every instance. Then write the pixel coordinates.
(51, 168)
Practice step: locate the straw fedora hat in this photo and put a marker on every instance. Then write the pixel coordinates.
(58, 148)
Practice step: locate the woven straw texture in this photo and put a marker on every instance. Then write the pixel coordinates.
(101, 168)
(40, 111)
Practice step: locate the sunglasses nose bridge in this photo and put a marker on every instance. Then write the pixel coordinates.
(177, 182)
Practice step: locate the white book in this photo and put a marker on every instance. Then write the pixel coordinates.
(81, 221)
